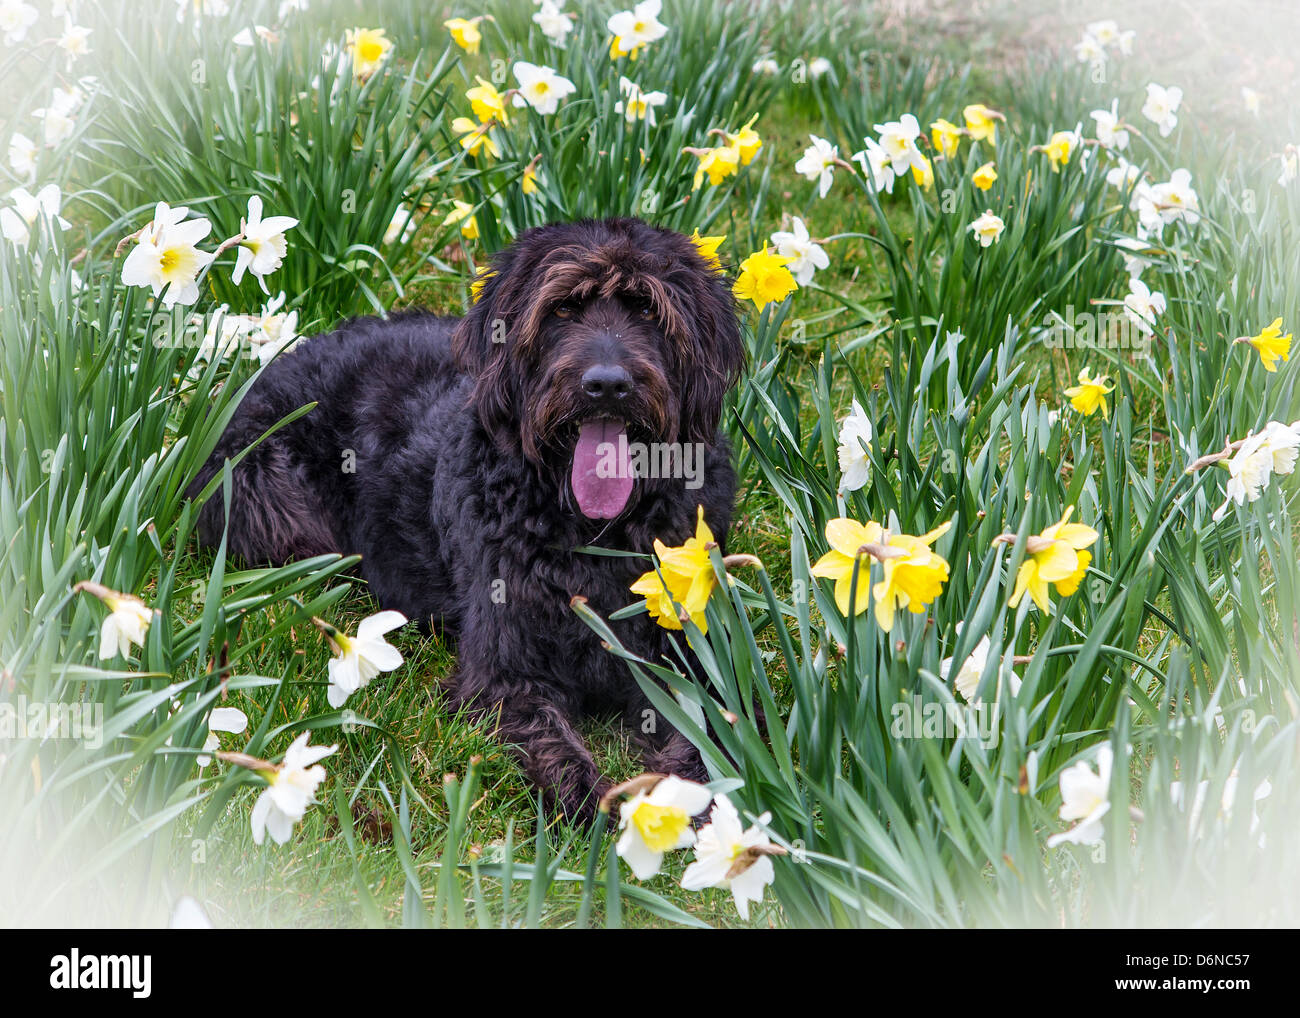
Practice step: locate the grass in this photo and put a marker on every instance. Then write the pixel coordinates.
(1180, 617)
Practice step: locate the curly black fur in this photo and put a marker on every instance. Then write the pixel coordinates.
(440, 449)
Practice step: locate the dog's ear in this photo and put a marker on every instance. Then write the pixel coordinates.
(480, 348)
(713, 354)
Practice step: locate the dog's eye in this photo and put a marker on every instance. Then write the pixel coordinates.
(645, 311)
(565, 311)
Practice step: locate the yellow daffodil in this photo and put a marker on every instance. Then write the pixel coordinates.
(1057, 556)
(368, 47)
(461, 213)
(488, 103)
(465, 33)
(719, 163)
(1271, 345)
(476, 287)
(1090, 394)
(476, 138)
(746, 141)
(708, 247)
(946, 136)
(984, 177)
(685, 575)
(529, 179)
(1059, 148)
(914, 575)
(764, 279)
(635, 29)
(982, 122)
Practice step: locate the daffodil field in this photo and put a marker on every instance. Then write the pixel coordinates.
(1007, 631)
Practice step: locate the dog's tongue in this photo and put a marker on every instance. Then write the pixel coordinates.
(602, 469)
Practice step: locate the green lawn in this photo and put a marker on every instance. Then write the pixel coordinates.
(1177, 653)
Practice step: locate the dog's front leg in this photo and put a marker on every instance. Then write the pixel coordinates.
(549, 746)
(663, 748)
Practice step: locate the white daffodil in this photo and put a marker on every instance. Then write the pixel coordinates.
(818, 164)
(729, 855)
(1290, 157)
(876, 165)
(15, 18)
(1123, 174)
(854, 441)
(17, 221)
(553, 22)
(263, 247)
(1111, 132)
(1250, 99)
(1105, 32)
(1170, 201)
(987, 228)
(402, 226)
(22, 156)
(1142, 306)
(1089, 50)
(273, 331)
(1085, 797)
(540, 87)
(165, 256)
(1161, 107)
(966, 679)
(637, 104)
(221, 719)
(222, 334)
(127, 621)
(804, 257)
(635, 29)
(75, 40)
(1126, 41)
(189, 915)
(291, 789)
(1274, 449)
(57, 120)
(126, 624)
(659, 821)
(1283, 444)
(818, 66)
(766, 66)
(898, 139)
(358, 659)
(247, 36)
(1135, 262)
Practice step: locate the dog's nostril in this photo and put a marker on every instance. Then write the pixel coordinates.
(606, 381)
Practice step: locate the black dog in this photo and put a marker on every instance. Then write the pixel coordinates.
(467, 459)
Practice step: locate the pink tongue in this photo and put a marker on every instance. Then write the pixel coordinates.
(602, 469)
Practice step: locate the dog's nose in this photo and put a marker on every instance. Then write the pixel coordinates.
(606, 381)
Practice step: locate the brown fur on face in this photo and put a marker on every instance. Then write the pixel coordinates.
(640, 294)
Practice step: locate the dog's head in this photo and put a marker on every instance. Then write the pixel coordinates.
(589, 338)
